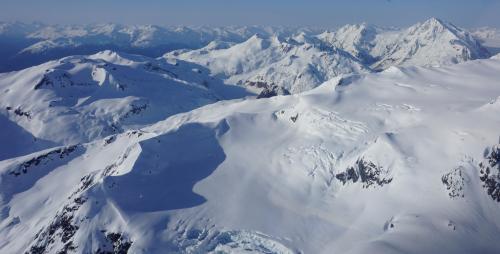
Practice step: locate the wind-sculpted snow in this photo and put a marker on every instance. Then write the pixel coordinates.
(388, 162)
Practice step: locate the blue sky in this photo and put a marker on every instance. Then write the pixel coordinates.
(466, 13)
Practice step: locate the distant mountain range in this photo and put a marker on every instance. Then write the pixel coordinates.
(489, 37)
(293, 59)
(24, 45)
(303, 61)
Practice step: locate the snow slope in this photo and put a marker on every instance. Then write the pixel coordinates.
(82, 98)
(401, 161)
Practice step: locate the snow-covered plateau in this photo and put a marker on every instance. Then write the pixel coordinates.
(362, 140)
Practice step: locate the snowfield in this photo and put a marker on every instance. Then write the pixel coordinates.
(406, 160)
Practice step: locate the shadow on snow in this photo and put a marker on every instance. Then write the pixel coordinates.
(169, 166)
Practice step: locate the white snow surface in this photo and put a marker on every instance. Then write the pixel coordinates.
(258, 175)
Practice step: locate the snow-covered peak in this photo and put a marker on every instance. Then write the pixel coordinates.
(433, 27)
(118, 58)
(295, 64)
(433, 42)
(434, 22)
(17, 29)
(357, 39)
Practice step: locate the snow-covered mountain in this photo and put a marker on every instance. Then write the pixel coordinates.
(359, 40)
(401, 161)
(297, 63)
(489, 37)
(433, 42)
(81, 98)
(37, 43)
(300, 62)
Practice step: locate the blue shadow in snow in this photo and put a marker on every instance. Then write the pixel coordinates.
(167, 169)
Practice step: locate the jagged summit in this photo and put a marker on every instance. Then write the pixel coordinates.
(356, 39)
(433, 42)
(433, 21)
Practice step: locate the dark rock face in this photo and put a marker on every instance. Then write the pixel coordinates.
(454, 182)
(489, 172)
(63, 80)
(272, 91)
(45, 81)
(66, 223)
(18, 111)
(365, 172)
(62, 228)
(109, 140)
(258, 84)
(116, 244)
(57, 78)
(44, 158)
(135, 109)
(156, 68)
(345, 81)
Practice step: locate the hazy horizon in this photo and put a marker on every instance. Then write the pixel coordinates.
(293, 13)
